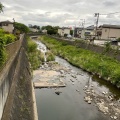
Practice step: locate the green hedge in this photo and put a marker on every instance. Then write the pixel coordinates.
(5, 38)
(3, 54)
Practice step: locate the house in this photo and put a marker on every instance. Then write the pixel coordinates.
(108, 32)
(64, 31)
(7, 26)
(44, 31)
(88, 32)
(77, 32)
(34, 29)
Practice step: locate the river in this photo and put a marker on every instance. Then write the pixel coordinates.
(71, 103)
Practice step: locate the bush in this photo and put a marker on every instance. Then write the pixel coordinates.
(5, 38)
(50, 56)
(9, 38)
(3, 54)
(118, 39)
(33, 54)
(32, 46)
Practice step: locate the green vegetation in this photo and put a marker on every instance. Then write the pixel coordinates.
(2, 52)
(101, 65)
(71, 32)
(107, 47)
(50, 29)
(33, 54)
(36, 57)
(50, 56)
(5, 38)
(118, 39)
(1, 7)
(21, 27)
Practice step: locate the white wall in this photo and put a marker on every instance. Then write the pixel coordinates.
(63, 31)
(8, 28)
(92, 32)
(108, 33)
(34, 30)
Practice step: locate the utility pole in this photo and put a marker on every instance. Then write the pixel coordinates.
(14, 30)
(96, 15)
(83, 23)
(74, 31)
(83, 28)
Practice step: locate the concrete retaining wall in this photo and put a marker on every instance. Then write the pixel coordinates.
(95, 48)
(19, 104)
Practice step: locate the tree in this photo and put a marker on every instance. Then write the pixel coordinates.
(1, 7)
(71, 32)
(50, 29)
(21, 27)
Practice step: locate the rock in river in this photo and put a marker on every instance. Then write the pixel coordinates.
(58, 92)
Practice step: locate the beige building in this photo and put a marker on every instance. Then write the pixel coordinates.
(7, 26)
(64, 30)
(88, 33)
(44, 31)
(34, 29)
(108, 32)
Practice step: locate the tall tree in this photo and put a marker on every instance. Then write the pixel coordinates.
(51, 29)
(21, 27)
(1, 7)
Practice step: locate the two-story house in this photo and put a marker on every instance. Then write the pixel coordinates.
(7, 26)
(88, 32)
(64, 30)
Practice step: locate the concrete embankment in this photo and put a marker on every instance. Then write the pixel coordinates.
(20, 102)
(92, 47)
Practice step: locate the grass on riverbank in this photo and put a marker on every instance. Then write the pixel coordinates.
(33, 54)
(50, 56)
(36, 57)
(101, 65)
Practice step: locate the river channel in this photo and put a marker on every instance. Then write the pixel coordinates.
(72, 103)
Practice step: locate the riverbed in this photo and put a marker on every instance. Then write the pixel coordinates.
(85, 97)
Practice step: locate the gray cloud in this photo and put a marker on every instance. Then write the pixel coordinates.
(110, 3)
(63, 13)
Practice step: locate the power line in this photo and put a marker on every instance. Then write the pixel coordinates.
(110, 13)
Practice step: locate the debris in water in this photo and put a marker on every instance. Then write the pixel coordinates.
(58, 92)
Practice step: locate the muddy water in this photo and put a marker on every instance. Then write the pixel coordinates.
(70, 104)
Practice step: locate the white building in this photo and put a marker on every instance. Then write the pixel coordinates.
(64, 30)
(7, 26)
(88, 33)
(44, 31)
(34, 29)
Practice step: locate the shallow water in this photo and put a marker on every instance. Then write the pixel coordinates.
(70, 104)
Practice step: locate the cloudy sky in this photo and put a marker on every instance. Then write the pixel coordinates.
(61, 12)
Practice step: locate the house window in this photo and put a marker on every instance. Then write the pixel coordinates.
(87, 33)
(5, 24)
